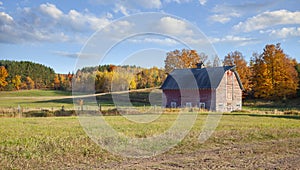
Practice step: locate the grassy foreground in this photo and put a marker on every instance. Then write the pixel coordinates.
(61, 143)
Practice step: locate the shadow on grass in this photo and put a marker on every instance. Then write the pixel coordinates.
(262, 115)
(260, 104)
(58, 101)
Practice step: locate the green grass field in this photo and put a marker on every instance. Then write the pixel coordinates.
(35, 99)
(28, 142)
(34, 93)
(250, 140)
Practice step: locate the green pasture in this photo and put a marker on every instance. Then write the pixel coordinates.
(34, 93)
(61, 142)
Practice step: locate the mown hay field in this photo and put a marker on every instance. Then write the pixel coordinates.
(240, 141)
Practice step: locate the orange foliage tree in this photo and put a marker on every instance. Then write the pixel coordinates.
(236, 58)
(274, 74)
(181, 59)
(30, 83)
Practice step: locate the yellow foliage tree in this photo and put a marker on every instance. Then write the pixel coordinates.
(3, 75)
(16, 81)
(132, 84)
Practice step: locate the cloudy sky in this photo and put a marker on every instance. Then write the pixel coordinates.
(56, 32)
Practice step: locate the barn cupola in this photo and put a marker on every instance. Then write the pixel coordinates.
(199, 65)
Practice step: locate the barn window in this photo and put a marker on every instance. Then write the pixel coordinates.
(201, 105)
(188, 104)
(173, 104)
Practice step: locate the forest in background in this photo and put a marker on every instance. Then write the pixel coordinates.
(269, 75)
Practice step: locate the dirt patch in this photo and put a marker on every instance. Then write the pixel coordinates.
(275, 154)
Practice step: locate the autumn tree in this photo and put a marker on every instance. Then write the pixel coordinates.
(17, 82)
(70, 78)
(132, 84)
(260, 86)
(29, 83)
(56, 82)
(181, 59)
(298, 70)
(236, 58)
(274, 74)
(3, 76)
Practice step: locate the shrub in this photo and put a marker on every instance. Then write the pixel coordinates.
(292, 112)
(110, 112)
(38, 114)
(65, 113)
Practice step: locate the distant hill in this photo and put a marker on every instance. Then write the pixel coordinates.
(41, 75)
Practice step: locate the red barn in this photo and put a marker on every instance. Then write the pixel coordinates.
(215, 89)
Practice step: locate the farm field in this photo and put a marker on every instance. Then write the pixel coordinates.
(240, 141)
(256, 138)
(35, 99)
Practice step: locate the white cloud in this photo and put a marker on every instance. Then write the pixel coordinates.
(81, 22)
(122, 9)
(202, 2)
(160, 41)
(268, 19)
(223, 18)
(128, 6)
(285, 32)
(242, 41)
(1, 3)
(153, 4)
(48, 23)
(5, 18)
(219, 18)
(224, 14)
(51, 10)
(66, 54)
(177, 1)
(173, 26)
(119, 27)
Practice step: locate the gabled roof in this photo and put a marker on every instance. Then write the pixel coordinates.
(205, 78)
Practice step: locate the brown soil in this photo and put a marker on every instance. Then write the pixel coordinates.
(282, 154)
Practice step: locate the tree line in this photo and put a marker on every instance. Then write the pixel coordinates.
(106, 78)
(15, 75)
(271, 74)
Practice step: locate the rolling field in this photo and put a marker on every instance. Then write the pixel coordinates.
(242, 140)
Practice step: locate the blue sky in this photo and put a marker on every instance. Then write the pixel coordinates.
(56, 32)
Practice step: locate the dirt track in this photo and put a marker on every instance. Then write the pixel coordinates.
(283, 154)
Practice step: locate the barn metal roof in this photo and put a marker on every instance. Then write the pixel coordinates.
(204, 78)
